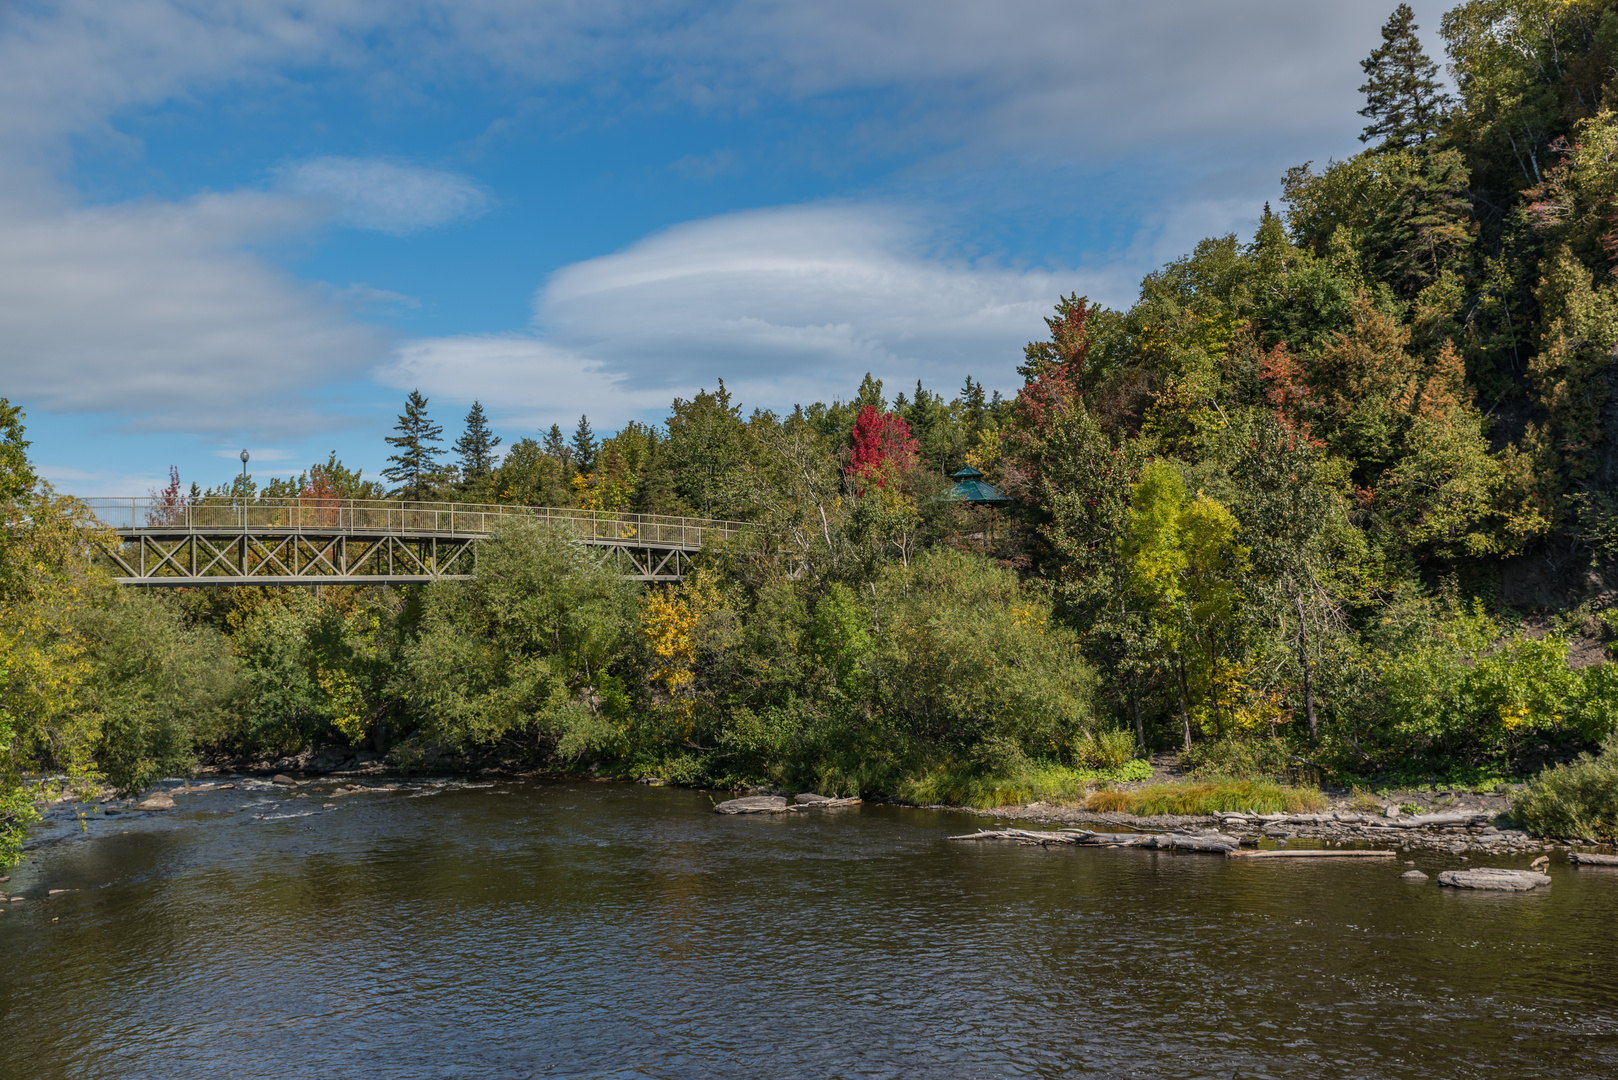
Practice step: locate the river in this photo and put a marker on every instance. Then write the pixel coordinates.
(525, 929)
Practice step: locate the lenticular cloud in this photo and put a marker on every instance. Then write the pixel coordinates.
(796, 299)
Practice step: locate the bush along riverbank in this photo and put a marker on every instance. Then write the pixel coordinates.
(1306, 513)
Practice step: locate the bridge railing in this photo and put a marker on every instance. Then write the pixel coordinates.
(373, 516)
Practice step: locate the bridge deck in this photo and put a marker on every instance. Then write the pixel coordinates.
(351, 541)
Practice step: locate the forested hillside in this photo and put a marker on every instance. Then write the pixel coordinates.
(1338, 498)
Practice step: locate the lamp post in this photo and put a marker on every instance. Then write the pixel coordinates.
(244, 456)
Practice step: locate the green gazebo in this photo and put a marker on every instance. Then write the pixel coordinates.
(969, 487)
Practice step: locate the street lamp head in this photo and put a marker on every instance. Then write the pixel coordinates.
(244, 457)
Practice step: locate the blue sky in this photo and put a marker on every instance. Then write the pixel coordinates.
(259, 223)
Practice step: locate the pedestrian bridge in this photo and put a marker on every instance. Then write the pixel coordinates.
(365, 542)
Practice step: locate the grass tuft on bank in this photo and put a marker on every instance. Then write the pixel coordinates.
(959, 786)
(1209, 796)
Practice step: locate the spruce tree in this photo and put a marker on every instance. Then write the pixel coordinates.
(972, 399)
(417, 443)
(584, 447)
(476, 446)
(1404, 100)
(556, 446)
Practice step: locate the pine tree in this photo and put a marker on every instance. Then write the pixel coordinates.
(556, 446)
(584, 446)
(1404, 100)
(417, 443)
(476, 446)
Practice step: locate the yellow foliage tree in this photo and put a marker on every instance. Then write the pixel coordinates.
(670, 622)
(1185, 564)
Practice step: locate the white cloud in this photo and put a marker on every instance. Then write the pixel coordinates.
(798, 296)
(785, 305)
(156, 312)
(384, 196)
(522, 381)
(152, 311)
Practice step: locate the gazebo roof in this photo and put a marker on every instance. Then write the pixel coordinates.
(969, 487)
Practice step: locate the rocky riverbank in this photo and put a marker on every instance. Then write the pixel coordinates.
(1455, 833)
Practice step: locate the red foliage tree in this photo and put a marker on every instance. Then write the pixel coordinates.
(1053, 376)
(1285, 388)
(883, 446)
(167, 506)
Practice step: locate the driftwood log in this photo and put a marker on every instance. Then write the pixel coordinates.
(1592, 860)
(1216, 844)
(1419, 821)
(1311, 854)
(776, 804)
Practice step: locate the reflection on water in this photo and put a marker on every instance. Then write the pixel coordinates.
(602, 930)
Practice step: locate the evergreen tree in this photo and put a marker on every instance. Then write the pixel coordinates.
(1403, 98)
(476, 447)
(417, 443)
(870, 393)
(556, 447)
(972, 398)
(585, 446)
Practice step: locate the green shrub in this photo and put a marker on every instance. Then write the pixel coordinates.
(157, 689)
(529, 645)
(1575, 800)
(1460, 694)
(1104, 749)
(1252, 758)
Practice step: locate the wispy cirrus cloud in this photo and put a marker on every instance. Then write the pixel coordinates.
(384, 196)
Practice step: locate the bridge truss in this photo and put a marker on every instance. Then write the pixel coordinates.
(365, 542)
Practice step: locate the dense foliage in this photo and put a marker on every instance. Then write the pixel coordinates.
(1340, 497)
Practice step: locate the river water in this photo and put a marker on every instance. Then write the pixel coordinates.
(612, 931)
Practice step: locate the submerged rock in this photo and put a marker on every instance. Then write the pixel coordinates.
(1413, 875)
(753, 804)
(1489, 877)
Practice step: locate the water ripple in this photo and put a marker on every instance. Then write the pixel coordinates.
(599, 930)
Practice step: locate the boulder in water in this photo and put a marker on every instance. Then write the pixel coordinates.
(156, 802)
(1490, 877)
(1413, 875)
(753, 804)
(282, 778)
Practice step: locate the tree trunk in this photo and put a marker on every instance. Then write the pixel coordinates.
(1185, 717)
(1308, 686)
(1140, 728)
